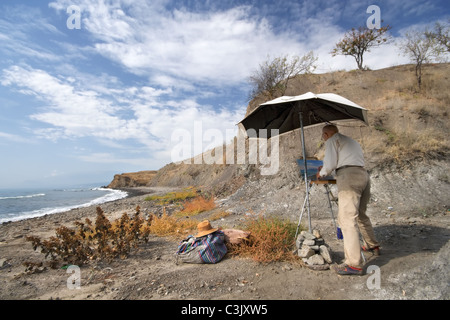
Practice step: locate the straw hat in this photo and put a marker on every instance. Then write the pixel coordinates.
(205, 228)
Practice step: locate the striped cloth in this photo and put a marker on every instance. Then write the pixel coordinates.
(208, 249)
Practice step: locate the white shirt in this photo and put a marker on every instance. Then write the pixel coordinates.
(341, 151)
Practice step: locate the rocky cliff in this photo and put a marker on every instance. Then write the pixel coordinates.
(132, 179)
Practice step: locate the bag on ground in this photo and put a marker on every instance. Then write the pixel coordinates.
(207, 249)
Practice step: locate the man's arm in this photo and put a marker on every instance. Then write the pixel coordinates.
(330, 160)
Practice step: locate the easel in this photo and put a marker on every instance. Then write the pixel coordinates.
(326, 184)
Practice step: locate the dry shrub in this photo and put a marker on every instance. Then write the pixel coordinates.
(99, 241)
(271, 239)
(197, 205)
(172, 226)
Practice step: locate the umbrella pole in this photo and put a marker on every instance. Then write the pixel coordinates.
(306, 171)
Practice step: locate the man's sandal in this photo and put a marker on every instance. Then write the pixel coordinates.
(347, 270)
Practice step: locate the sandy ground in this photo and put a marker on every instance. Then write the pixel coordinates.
(413, 265)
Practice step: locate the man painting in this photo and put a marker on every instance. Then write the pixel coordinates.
(345, 156)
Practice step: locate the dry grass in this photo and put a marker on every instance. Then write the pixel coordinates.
(404, 143)
(197, 205)
(407, 123)
(172, 226)
(409, 144)
(271, 239)
(174, 197)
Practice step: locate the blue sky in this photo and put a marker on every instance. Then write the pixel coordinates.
(80, 105)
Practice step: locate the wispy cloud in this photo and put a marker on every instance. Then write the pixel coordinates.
(16, 27)
(215, 47)
(116, 113)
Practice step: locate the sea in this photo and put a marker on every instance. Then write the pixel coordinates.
(19, 204)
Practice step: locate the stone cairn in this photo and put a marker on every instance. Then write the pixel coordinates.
(313, 250)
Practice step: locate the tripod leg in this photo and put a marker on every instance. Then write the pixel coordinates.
(308, 188)
(327, 188)
(300, 219)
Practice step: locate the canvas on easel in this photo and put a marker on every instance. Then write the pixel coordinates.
(312, 169)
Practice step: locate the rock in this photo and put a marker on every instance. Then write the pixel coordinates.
(305, 252)
(316, 259)
(325, 253)
(286, 268)
(319, 242)
(313, 250)
(316, 233)
(4, 264)
(235, 236)
(307, 235)
(318, 267)
(299, 242)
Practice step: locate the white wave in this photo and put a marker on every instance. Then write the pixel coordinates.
(111, 196)
(22, 197)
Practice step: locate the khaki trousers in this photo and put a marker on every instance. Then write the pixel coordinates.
(354, 193)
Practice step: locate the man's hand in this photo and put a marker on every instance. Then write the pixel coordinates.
(319, 177)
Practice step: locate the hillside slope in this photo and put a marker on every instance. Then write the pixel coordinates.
(406, 144)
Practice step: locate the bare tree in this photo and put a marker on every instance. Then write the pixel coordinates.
(359, 41)
(273, 76)
(420, 48)
(440, 34)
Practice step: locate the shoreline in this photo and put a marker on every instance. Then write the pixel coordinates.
(135, 191)
(135, 196)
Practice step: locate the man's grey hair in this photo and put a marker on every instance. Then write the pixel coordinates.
(330, 128)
